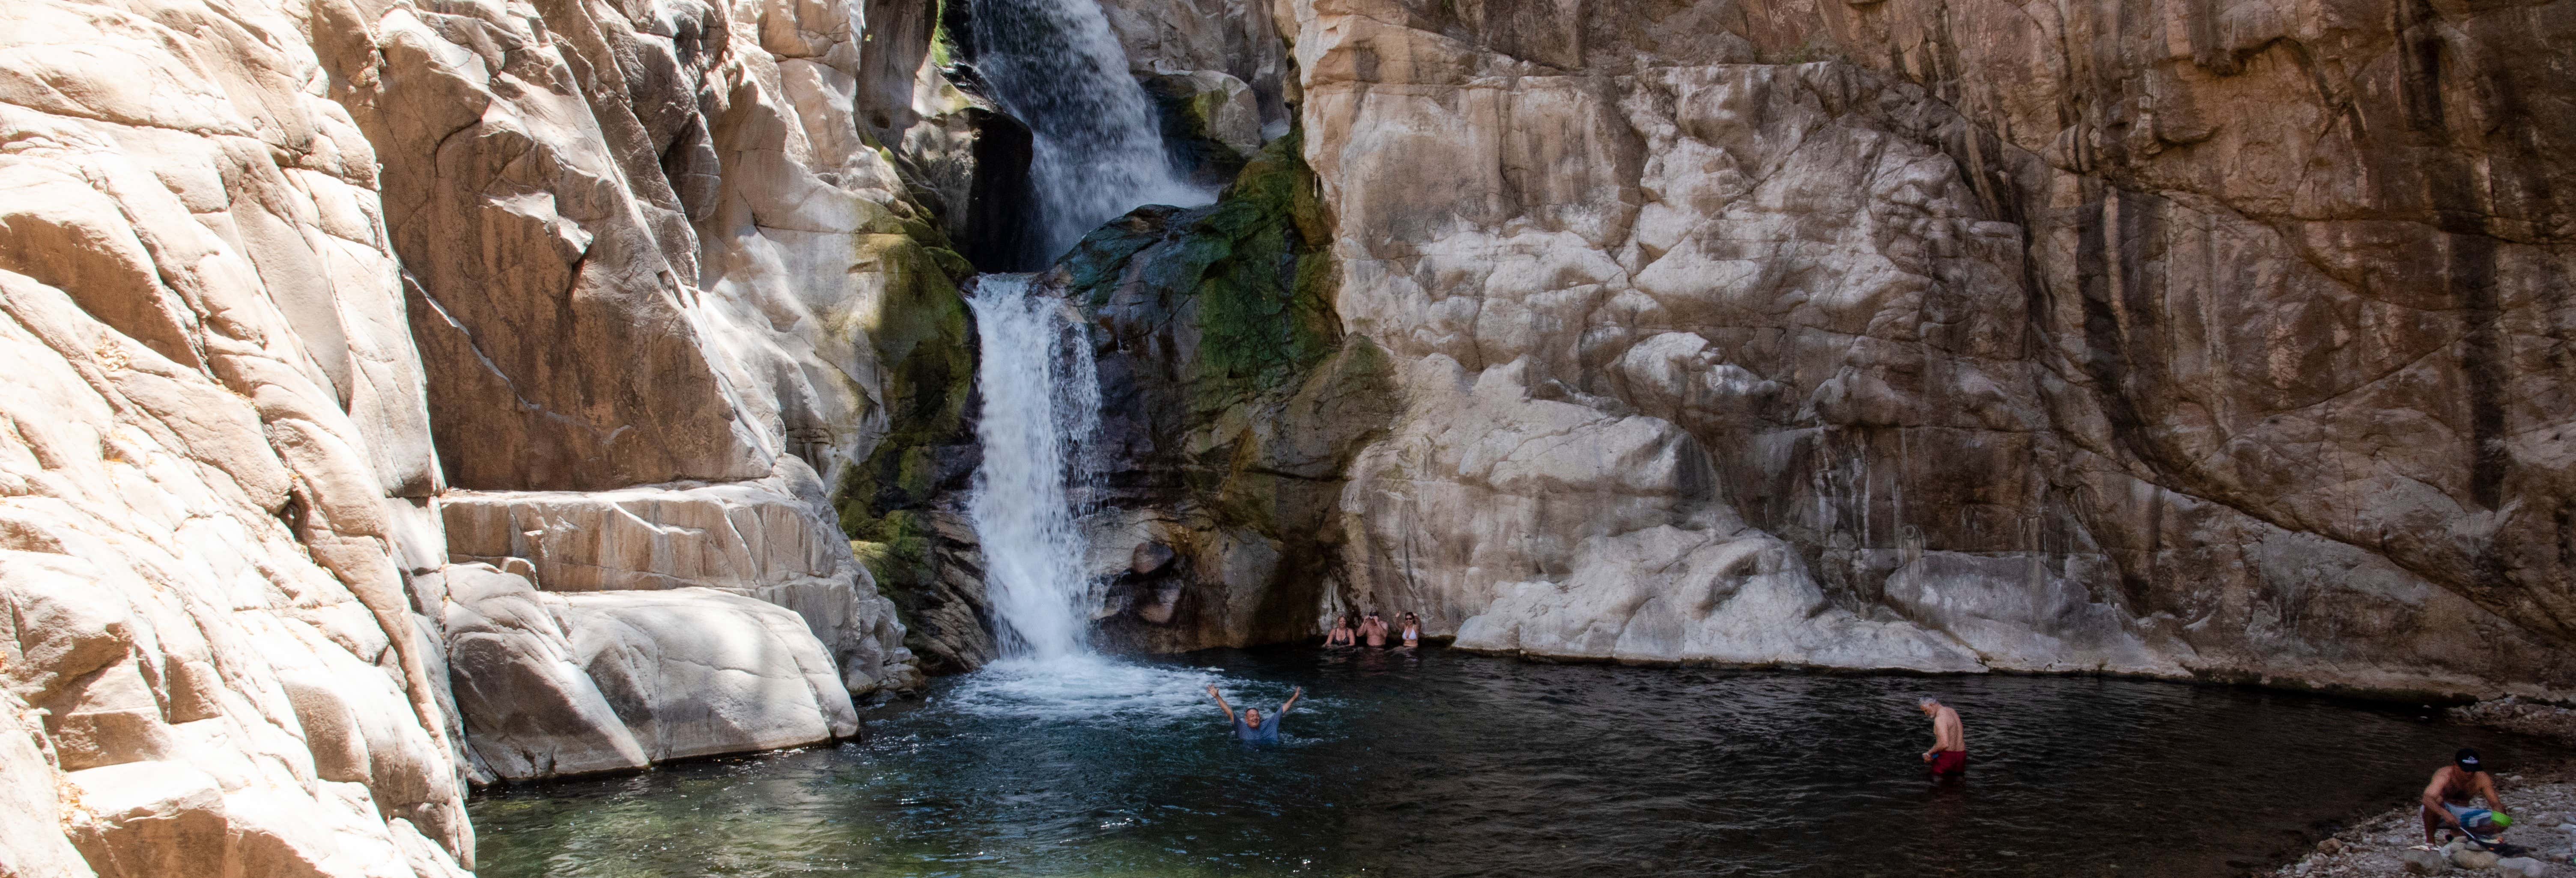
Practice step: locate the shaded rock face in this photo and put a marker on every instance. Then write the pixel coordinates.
(1211, 122)
(2190, 353)
(1230, 405)
(1237, 39)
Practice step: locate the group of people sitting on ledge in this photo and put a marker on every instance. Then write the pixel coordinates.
(1349, 630)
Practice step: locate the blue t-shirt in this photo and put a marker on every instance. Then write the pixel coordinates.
(1267, 732)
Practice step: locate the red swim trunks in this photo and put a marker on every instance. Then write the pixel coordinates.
(1950, 762)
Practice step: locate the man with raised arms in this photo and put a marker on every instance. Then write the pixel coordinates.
(1252, 727)
(1949, 753)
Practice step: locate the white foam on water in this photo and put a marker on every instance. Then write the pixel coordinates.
(1088, 687)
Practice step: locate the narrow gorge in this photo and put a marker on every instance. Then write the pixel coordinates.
(410, 402)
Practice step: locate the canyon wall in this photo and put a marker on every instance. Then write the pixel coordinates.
(409, 394)
(406, 395)
(2133, 337)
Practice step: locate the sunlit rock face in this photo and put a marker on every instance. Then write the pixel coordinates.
(278, 279)
(650, 245)
(1963, 335)
(750, 539)
(216, 470)
(565, 684)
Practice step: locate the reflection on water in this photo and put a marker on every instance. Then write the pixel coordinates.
(1449, 764)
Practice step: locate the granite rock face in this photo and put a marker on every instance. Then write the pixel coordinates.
(749, 539)
(556, 684)
(2166, 341)
(651, 249)
(276, 276)
(216, 468)
(1237, 39)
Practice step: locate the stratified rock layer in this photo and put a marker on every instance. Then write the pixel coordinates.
(2078, 338)
(749, 539)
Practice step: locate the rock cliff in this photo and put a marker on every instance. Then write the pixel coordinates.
(2140, 338)
(407, 394)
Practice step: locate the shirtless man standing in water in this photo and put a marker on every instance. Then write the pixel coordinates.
(1374, 629)
(1949, 753)
(2454, 786)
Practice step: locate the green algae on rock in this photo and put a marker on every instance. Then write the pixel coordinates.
(1232, 402)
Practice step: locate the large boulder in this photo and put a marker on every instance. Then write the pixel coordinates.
(749, 538)
(696, 672)
(555, 685)
(530, 708)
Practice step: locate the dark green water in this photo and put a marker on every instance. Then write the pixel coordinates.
(1451, 764)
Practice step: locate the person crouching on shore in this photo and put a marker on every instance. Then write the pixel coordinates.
(2447, 801)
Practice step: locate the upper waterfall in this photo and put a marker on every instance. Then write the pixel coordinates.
(1099, 152)
(1041, 399)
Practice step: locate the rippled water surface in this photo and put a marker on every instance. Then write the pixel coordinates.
(1445, 763)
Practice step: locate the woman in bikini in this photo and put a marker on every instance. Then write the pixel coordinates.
(1344, 633)
(1412, 631)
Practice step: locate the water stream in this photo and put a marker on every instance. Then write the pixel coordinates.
(1041, 402)
(1447, 764)
(1056, 65)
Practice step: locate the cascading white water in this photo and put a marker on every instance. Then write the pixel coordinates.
(1041, 407)
(1041, 403)
(1055, 65)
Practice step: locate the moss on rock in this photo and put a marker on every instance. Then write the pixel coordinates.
(924, 340)
(1248, 271)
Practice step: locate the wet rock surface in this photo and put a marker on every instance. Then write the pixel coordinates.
(1231, 404)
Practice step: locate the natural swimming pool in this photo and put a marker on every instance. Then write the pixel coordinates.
(1445, 763)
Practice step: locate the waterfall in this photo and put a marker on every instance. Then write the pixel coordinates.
(1041, 404)
(1056, 65)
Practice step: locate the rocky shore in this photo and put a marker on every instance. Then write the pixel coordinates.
(2544, 800)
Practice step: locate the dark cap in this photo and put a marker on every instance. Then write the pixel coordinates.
(2467, 760)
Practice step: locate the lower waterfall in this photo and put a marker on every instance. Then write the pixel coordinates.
(1041, 402)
